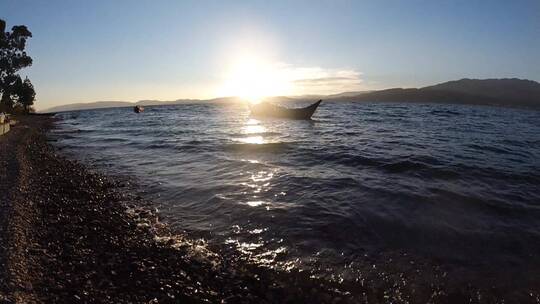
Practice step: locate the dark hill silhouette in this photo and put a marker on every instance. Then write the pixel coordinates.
(423, 96)
(498, 92)
(512, 90)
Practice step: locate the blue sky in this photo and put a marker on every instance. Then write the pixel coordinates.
(131, 50)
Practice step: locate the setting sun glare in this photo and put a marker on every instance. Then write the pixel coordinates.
(253, 79)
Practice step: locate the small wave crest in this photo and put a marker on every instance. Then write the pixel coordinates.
(264, 147)
(445, 113)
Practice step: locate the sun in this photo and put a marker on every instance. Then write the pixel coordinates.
(254, 79)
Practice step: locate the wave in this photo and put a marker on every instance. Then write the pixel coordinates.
(424, 164)
(264, 147)
(244, 135)
(114, 140)
(445, 113)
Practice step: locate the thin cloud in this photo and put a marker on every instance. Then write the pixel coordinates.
(317, 80)
(326, 80)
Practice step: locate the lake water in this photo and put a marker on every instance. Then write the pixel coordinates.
(429, 191)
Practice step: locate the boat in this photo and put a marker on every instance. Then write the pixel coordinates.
(266, 109)
(138, 109)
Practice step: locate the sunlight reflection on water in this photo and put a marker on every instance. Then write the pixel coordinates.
(253, 140)
(253, 126)
(255, 203)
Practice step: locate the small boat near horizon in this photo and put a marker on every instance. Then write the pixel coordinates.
(266, 109)
(138, 109)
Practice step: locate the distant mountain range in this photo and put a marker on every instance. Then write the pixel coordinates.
(497, 92)
(121, 104)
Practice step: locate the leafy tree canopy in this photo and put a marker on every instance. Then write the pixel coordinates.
(13, 58)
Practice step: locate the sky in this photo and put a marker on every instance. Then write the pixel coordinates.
(97, 50)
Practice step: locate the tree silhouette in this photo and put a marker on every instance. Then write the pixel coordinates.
(26, 94)
(6, 103)
(12, 59)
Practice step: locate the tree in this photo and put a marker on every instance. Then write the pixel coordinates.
(26, 94)
(6, 103)
(12, 59)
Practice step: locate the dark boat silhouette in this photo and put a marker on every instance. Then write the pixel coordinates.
(271, 110)
(138, 109)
